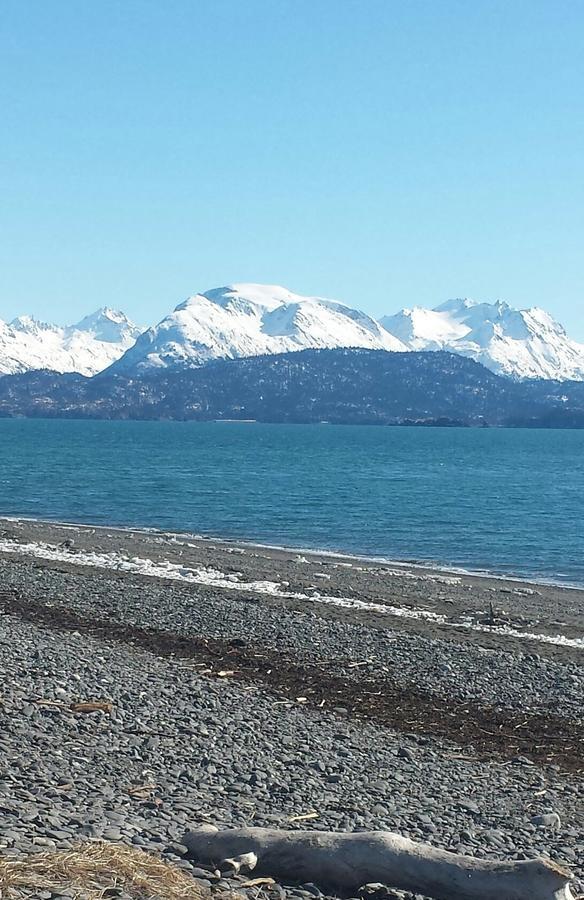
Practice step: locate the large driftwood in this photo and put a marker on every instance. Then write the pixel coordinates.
(346, 862)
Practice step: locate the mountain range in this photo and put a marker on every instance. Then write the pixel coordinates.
(249, 320)
(521, 343)
(87, 347)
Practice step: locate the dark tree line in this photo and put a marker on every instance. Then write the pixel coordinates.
(338, 386)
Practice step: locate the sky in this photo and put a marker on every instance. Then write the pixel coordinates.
(385, 153)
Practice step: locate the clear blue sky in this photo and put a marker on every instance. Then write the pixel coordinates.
(383, 152)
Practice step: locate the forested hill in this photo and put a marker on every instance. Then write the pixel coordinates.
(338, 386)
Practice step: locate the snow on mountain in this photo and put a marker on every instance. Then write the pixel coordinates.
(250, 320)
(86, 347)
(524, 343)
(244, 320)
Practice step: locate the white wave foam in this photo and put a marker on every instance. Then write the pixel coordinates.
(212, 577)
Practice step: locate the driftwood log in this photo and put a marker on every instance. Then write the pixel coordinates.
(347, 862)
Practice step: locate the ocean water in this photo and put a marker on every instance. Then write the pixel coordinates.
(504, 501)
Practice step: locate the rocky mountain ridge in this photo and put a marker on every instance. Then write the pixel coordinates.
(521, 343)
(87, 347)
(249, 320)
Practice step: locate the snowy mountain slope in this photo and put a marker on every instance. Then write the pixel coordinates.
(246, 320)
(250, 320)
(87, 347)
(521, 343)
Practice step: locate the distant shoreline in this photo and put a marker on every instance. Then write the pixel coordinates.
(430, 423)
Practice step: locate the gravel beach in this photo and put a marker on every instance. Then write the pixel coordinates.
(251, 685)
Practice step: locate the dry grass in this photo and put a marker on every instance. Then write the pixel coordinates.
(94, 869)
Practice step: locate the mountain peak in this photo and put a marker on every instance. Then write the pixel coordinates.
(87, 347)
(456, 303)
(522, 343)
(29, 325)
(248, 319)
(108, 312)
(109, 325)
(258, 293)
(461, 304)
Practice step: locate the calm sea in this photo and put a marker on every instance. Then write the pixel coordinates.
(505, 501)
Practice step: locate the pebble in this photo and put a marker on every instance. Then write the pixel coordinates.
(406, 753)
(112, 834)
(212, 750)
(548, 820)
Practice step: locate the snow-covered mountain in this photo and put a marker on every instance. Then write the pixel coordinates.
(524, 343)
(87, 347)
(249, 320)
(244, 320)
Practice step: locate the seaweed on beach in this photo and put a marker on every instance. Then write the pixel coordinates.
(541, 737)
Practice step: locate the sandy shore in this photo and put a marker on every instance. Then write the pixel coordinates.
(252, 685)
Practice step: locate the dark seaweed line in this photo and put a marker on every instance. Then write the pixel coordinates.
(543, 738)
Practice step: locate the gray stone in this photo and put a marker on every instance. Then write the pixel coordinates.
(112, 834)
(405, 753)
(231, 754)
(547, 820)
(177, 849)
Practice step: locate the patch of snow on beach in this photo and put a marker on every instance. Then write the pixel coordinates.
(207, 575)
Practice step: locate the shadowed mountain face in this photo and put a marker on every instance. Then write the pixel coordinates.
(341, 386)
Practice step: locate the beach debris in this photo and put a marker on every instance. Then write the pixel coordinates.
(345, 861)
(64, 788)
(494, 618)
(305, 816)
(88, 706)
(67, 544)
(98, 869)
(142, 791)
(91, 706)
(548, 820)
(243, 862)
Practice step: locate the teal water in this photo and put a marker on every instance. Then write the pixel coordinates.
(504, 501)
